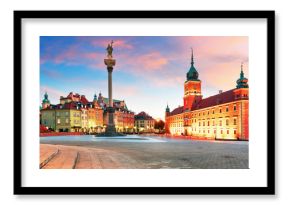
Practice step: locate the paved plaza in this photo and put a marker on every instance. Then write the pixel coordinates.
(135, 152)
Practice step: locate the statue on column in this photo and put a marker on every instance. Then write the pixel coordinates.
(110, 50)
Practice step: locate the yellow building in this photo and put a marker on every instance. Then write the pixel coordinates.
(62, 118)
(48, 118)
(144, 122)
(75, 113)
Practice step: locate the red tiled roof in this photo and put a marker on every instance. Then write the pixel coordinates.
(70, 105)
(84, 100)
(71, 94)
(221, 98)
(143, 116)
(177, 111)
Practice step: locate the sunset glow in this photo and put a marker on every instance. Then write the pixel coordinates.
(149, 72)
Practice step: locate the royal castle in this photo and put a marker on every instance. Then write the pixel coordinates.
(222, 116)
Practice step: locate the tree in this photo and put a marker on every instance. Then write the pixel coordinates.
(159, 124)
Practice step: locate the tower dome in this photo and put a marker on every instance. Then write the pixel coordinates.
(45, 100)
(242, 82)
(95, 97)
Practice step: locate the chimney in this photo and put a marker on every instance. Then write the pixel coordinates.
(220, 91)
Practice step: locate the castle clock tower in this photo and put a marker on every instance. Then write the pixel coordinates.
(192, 87)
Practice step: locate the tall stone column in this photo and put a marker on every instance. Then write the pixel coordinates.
(110, 63)
(110, 73)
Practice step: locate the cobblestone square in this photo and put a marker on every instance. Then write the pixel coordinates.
(142, 153)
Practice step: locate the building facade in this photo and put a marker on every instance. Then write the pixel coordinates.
(75, 113)
(222, 116)
(144, 123)
(123, 117)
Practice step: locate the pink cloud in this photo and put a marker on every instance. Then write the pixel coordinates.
(151, 61)
(216, 46)
(223, 75)
(91, 55)
(65, 56)
(50, 73)
(122, 44)
(137, 64)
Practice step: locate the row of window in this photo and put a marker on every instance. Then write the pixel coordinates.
(204, 123)
(220, 109)
(210, 132)
(65, 113)
(220, 122)
(221, 132)
(207, 112)
(58, 121)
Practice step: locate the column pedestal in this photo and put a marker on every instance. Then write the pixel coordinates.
(111, 129)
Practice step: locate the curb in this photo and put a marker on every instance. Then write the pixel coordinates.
(42, 164)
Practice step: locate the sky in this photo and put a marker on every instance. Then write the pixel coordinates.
(150, 71)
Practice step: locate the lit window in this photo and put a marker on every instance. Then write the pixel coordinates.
(58, 121)
(66, 120)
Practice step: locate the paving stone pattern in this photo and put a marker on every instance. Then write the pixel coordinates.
(166, 154)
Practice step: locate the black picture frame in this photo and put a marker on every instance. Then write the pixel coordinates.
(268, 190)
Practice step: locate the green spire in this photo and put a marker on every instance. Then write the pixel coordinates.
(167, 108)
(192, 58)
(242, 82)
(242, 72)
(192, 74)
(95, 97)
